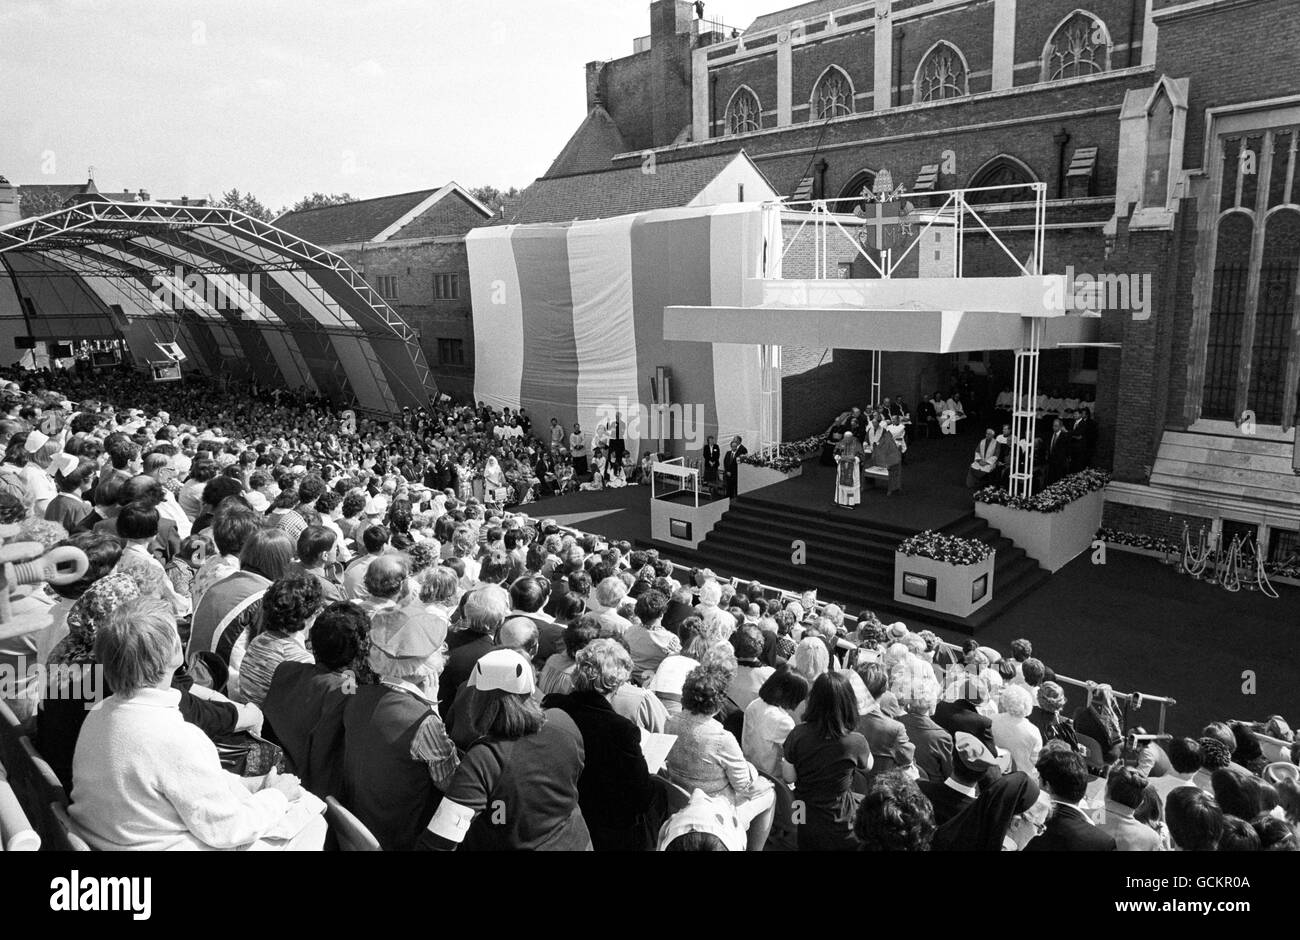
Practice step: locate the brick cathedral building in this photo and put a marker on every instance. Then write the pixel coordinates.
(1166, 134)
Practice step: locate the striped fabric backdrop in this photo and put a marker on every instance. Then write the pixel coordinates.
(568, 321)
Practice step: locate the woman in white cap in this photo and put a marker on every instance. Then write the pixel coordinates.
(517, 786)
(40, 452)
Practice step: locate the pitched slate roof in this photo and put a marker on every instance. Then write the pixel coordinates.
(352, 221)
(617, 191)
(804, 11)
(593, 145)
(66, 191)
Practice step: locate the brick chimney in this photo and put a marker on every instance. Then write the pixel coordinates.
(593, 84)
(672, 34)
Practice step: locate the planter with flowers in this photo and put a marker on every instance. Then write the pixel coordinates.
(775, 464)
(946, 573)
(1052, 526)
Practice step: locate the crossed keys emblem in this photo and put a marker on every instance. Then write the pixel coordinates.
(887, 225)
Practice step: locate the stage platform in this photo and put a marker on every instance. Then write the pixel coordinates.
(935, 495)
(1131, 622)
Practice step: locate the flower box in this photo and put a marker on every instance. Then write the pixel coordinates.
(1052, 539)
(956, 590)
(753, 477)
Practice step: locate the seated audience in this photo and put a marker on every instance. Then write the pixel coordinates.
(707, 757)
(824, 757)
(144, 778)
(614, 787)
(517, 787)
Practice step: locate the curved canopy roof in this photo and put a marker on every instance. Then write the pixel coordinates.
(240, 297)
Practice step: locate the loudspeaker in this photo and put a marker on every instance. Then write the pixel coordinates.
(24, 342)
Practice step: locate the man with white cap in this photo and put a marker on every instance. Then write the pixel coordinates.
(397, 758)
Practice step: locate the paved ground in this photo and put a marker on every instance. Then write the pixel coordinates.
(1132, 622)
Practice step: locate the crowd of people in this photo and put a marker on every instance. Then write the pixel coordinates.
(287, 607)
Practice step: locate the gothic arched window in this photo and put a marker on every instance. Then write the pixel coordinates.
(744, 113)
(1080, 45)
(942, 74)
(833, 94)
(861, 181)
(1002, 171)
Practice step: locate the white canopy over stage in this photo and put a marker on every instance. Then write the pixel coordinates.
(1024, 312)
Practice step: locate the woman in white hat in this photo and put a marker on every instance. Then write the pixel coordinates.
(517, 786)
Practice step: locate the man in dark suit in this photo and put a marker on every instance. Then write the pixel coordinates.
(1084, 438)
(1065, 778)
(971, 762)
(932, 744)
(890, 748)
(712, 460)
(731, 465)
(1058, 452)
(617, 448)
(961, 714)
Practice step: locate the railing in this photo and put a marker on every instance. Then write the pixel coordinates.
(956, 210)
(688, 478)
(1133, 700)
(708, 25)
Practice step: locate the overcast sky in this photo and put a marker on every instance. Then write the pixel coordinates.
(285, 97)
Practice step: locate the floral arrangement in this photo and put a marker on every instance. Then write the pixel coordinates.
(1283, 570)
(1052, 499)
(1136, 540)
(787, 456)
(952, 549)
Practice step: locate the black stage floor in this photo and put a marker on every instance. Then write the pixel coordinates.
(1132, 622)
(934, 495)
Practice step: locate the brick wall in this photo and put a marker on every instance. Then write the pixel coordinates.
(759, 74)
(622, 84)
(451, 215)
(811, 401)
(1245, 53)
(1159, 523)
(968, 28)
(414, 264)
(1036, 21)
(906, 140)
(854, 53)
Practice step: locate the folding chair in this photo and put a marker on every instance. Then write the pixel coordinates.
(37, 786)
(352, 834)
(16, 833)
(783, 837)
(11, 729)
(62, 836)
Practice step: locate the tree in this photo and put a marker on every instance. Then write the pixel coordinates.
(38, 200)
(494, 198)
(317, 200)
(246, 203)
